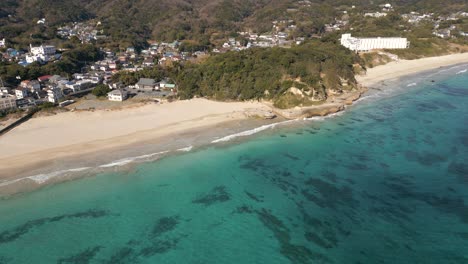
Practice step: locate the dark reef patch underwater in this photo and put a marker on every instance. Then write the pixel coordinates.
(386, 182)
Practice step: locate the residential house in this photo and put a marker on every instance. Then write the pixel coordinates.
(56, 79)
(40, 54)
(33, 86)
(7, 102)
(117, 95)
(21, 92)
(54, 94)
(146, 84)
(44, 78)
(165, 84)
(4, 90)
(2, 43)
(148, 62)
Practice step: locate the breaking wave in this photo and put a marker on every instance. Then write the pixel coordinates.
(42, 178)
(126, 161)
(249, 132)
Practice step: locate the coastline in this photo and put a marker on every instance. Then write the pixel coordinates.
(402, 68)
(103, 140)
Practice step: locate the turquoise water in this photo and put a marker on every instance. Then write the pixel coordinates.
(386, 182)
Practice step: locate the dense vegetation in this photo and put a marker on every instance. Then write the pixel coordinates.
(303, 74)
(203, 22)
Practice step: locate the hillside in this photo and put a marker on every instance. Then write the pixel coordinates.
(204, 21)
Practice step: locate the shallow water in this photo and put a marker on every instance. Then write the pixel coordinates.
(385, 182)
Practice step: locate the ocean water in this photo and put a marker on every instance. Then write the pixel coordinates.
(384, 182)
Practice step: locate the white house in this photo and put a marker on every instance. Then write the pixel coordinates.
(54, 94)
(42, 50)
(7, 102)
(2, 43)
(21, 92)
(40, 54)
(367, 44)
(4, 90)
(376, 14)
(117, 95)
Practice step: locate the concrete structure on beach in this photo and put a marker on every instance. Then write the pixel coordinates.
(368, 44)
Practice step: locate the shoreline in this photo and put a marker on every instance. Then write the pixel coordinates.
(206, 122)
(401, 68)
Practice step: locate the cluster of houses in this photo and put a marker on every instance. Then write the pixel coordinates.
(52, 88)
(41, 54)
(144, 88)
(278, 37)
(442, 32)
(84, 31)
(55, 88)
(133, 61)
(385, 8)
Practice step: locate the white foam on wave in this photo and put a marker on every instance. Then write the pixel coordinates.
(187, 149)
(126, 161)
(411, 84)
(462, 71)
(42, 178)
(250, 132)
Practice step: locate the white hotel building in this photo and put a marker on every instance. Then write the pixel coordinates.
(367, 44)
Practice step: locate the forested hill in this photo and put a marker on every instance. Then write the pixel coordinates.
(302, 75)
(203, 21)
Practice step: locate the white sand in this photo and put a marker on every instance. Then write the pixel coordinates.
(74, 133)
(406, 67)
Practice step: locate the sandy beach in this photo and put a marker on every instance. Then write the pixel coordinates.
(46, 143)
(401, 68)
(63, 135)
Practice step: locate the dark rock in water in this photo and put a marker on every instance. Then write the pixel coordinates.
(331, 176)
(460, 170)
(217, 195)
(283, 136)
(159, 247)
(84, 257)
(289, 156)
(409, 247)
(426, 159)
(455, 206)
(312, 237)
(254, 164)
(331, 196)
(253, 197)
(356, 166)
(19, 231)
(244, 209)
(123, 255)
(164, 225)
(295, 253)
(4, 260)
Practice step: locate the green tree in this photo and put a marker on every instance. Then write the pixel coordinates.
(101, 90)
